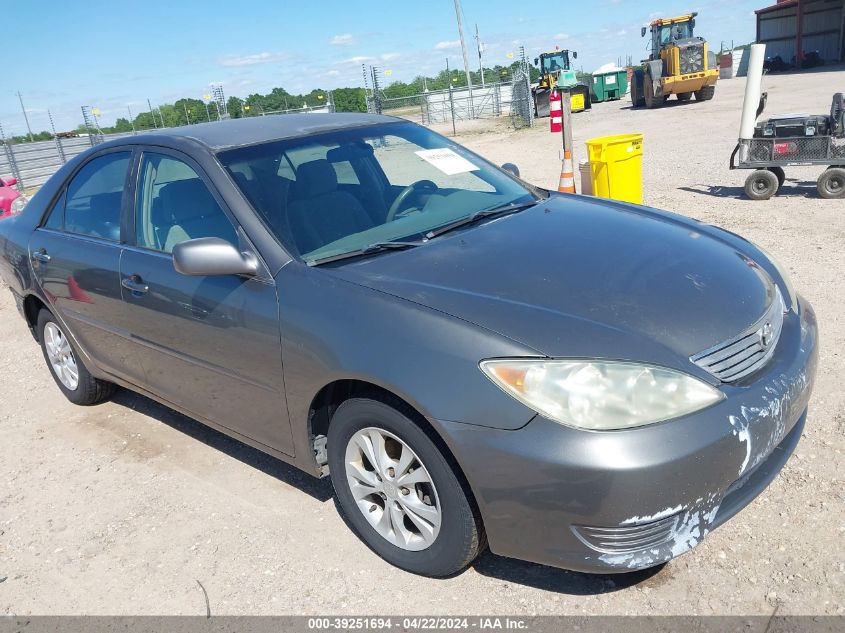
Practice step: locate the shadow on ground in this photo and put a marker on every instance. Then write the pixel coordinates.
(488, 564)
(562, 581)
(790, 189)
(320, 489)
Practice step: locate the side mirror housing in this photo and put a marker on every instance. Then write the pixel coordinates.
(536, 60)
(642, 32)
(510, 167)
(574, 54)
(212, 256)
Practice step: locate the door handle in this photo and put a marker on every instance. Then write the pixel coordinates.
(134, 284)
(41, 256)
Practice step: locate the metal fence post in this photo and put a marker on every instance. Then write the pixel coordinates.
(452, 108)
(10, 157)
(59, 148)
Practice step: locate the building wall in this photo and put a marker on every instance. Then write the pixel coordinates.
(824, 23)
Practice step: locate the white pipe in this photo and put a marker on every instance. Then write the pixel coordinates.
(753, 85)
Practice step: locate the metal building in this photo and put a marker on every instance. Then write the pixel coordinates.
(793, 27)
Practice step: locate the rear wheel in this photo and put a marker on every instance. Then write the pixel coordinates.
(781, 175)
(74, 380)
(637, 97)
(705, 94)
(831, 184)
(651, 100)
(684, 96)
(761, 185)
(398, 492)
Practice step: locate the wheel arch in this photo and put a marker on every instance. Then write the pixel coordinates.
(332, 395)
(32, 305)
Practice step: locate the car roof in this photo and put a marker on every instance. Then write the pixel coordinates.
(219, 135)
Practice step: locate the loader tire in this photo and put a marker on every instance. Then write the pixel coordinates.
(684, 96)
(651, 100)
(705, 94)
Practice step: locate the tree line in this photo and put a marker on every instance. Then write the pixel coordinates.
(187, 111)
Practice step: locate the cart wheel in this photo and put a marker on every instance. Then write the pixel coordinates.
(778, 171)
(831, 184)
(761, 185)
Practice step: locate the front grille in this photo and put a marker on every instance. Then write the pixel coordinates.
(691, 58)
(626, 539)
(744, 354)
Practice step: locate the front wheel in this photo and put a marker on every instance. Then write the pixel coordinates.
(761, 185)
(651, 100)
(72, 377)
(831, 184)
(398, 492)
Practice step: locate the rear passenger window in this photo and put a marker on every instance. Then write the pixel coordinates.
(174, 205)
(93, 197)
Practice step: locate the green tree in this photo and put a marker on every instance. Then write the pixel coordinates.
(349, 100)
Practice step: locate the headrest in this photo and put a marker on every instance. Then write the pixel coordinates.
(316, 178)
(183, 199)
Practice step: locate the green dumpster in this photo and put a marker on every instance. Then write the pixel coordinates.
(610, 85)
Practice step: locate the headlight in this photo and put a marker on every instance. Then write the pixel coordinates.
(18, 204)
(600, 395)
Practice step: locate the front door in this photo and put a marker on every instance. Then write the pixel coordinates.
(208, 344)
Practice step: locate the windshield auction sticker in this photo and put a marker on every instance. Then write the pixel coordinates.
(446, 161)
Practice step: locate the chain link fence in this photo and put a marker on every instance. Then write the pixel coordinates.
(455, 105)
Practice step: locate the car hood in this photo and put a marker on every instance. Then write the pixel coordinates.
(579, 277)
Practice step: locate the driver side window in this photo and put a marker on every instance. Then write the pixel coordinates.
(174, 205)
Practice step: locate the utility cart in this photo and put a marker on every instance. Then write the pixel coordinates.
(791, 141)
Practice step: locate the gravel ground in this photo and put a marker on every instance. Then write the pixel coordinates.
(126, 507)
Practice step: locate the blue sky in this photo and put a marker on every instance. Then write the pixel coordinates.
(113, 54)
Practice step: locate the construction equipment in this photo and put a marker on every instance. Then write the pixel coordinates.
(679, 64)
(556, 72)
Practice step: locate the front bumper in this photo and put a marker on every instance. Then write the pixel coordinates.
(624, 500)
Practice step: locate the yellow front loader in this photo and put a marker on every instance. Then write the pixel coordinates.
(679, 64)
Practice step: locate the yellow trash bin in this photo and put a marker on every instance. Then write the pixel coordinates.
(616, 163)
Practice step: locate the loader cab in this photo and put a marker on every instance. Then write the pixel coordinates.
(552, 63)
(667, 31)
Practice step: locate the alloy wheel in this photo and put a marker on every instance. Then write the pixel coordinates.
(61, 357)
(393, 489)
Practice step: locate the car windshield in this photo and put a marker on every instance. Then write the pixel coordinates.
(341, 192)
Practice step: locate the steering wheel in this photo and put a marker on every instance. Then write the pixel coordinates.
(415, 187)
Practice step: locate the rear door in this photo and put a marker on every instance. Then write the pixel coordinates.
(75, 257)
(210, 345)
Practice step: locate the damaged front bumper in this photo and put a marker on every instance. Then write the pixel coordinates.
(625, 500)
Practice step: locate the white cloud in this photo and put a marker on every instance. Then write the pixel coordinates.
(560, 36)
(442, 46)
(344, 39)
(251, 60)
(386, 57)
(333, 73)
(358, 59)
(621, 33)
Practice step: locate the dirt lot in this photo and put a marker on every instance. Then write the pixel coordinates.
(124, 507)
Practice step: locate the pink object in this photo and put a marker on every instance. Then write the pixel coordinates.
(8, 194)
(555, 112)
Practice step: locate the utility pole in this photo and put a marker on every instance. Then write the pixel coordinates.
(480, 64)
(458, 13)
(152, 114)
(25, 117)
(131, 121)
(187, 118)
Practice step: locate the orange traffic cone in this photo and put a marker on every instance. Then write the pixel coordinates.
(567, 175)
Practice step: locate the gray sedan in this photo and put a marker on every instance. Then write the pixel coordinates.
(471, 359)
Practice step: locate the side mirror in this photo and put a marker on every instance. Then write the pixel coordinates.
(536, 60)
(692, 23)
(574, 54)
(642, 32)
(510, 167)
(10, 182)
(212, 256)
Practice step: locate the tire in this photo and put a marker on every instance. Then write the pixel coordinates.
(637, 98)
(684, 96)
(831, 184)
(445, 548)
(705, 94)
(761, 185)
(651, 100)
(62, 358)
(778, 171)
